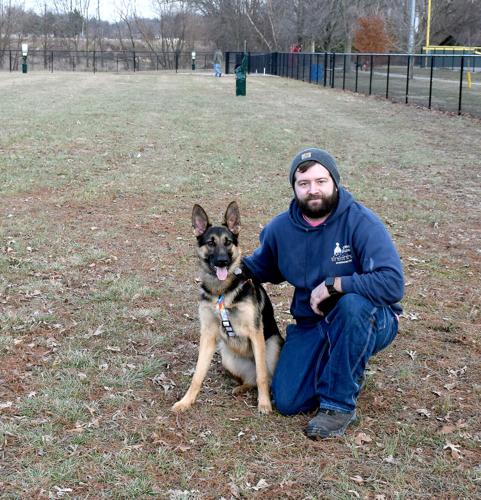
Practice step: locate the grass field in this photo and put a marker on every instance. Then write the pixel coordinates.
(98, 291)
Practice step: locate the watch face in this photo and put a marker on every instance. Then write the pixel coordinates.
(330, 285)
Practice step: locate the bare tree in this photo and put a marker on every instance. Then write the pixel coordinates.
(74, 17)
(6, 26)
(229, 26)
(173, 19)
(127, 15)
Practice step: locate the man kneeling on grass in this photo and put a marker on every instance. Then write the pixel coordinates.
(348, 281)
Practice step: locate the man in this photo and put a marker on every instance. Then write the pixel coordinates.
(348, 280)
(217, 63)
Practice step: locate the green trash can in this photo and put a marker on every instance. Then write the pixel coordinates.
(241, 77)
(24, 65)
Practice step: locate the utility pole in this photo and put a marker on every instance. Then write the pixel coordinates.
(412, 25)
(412, 29)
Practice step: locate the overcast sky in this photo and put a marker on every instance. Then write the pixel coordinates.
(108, 8)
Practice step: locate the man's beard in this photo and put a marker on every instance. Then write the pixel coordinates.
(328, 204)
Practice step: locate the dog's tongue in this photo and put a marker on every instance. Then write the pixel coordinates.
(221, 273)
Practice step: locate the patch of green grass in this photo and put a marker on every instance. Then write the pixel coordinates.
(64, 399)
(123, 289)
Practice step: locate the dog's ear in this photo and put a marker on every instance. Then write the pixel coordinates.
(200, 221)
(232, 218)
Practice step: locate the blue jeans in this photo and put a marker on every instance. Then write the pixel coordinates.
(322, 364)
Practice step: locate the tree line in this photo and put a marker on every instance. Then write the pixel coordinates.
(258, 25)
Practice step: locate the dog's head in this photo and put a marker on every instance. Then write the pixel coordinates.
(218, 245)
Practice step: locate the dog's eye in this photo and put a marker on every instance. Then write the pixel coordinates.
(228, 242)
(211, 243)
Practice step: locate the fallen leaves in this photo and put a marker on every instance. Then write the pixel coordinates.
(163, 381)
(452, 428)
(95, 333)
(357, 479)
(410, 316)
(457, 372)
(423, 412)
(261, 485)
(454, 450)
(362, 438)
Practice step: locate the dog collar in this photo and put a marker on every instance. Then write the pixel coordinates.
(226, 324)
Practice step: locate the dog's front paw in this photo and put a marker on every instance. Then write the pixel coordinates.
(264, 408)
(180, 406)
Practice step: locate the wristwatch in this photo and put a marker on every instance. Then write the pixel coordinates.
(329, 282)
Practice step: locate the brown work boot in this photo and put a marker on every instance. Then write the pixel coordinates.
(329, 423)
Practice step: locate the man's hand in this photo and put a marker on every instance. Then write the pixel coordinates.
(318, 295)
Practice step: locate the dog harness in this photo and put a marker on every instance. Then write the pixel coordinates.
(226, 324)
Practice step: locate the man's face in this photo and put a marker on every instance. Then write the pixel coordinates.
(315, 191)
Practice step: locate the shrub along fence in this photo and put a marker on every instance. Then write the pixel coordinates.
(446, 82)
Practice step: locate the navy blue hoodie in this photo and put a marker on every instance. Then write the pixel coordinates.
(352, 243)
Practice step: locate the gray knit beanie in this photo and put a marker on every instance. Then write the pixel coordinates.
(319, 155)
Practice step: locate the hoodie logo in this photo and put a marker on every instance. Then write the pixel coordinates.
(308, 154)
(341, 254)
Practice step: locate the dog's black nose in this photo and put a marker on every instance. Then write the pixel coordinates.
(221, 262)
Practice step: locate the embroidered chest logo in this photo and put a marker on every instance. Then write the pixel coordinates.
(342, 254)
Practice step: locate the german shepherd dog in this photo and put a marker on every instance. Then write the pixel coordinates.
(235, 313)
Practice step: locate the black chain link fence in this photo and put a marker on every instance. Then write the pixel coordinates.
(105, 61)
(449, 82)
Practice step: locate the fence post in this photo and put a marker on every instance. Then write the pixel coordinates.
(461, 72)
(333, 68)
(275, 63)
(388, 73)
(431, 82)
(344, 73)
(325, 69)
(51, 57)
(133, 54)
(407, 78)
(357, 72)
(371, 64)
(227, 57)
(93, 62)
(10, 61)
